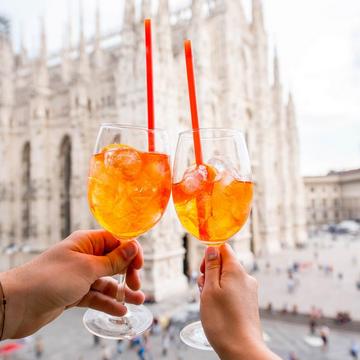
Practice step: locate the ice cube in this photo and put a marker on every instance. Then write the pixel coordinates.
(126, 160)
(219, 164)
(194, 179)
(222, 165)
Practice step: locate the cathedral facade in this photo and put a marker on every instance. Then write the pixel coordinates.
(51, 108)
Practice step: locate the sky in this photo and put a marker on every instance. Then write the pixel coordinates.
(318, 43)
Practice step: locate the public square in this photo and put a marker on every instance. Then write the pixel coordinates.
(67, 338)
(329, 269)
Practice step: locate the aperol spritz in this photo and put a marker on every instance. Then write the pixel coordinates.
(212, 199)
(128, 191)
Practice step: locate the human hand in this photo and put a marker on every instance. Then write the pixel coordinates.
(71, 273)
(229, 307)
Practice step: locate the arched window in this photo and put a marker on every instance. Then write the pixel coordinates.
(26, 191)
(65, 184)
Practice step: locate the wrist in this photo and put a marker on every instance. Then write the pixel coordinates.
(15, 307)
(254, 350)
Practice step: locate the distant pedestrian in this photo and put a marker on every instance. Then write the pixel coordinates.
(255, 267)
(292, 356)
(284, 310)
(96, 340)
(120, 346)
(354, 350)
(295, 310)
(165, 344)
(269, 307)
(39, 347)
(312, 325)
(324, 334)
(141, 352)
(156, 327)
(267, 265)
(290, 284)
(106, 353)
(147, 345)
(135, 342)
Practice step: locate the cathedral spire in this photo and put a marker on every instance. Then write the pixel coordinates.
(43, 43)
(97, 47)
(97, 25)
(277, 82)
(23, 51)
(290, 104)
(196, 10)
(81, 23)
(65, 57)
(257, 14)
(69, 28)
(83, 59)
(145, 9)
(41, 76)
(129, 14)
(163, 13)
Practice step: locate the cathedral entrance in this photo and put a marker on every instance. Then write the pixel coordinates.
(65, 183)
(26, 191)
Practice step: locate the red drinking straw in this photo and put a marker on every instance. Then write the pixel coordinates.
(192, 98)
(150, 86)
(196, 135)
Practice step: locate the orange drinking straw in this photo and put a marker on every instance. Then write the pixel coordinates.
(196, 134)
(149, 82)
(192, 98)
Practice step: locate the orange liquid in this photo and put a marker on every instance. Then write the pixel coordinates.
(128, 190)
(212, 207)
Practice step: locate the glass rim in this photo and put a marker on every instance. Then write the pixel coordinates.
(130, 127)
(228, 132)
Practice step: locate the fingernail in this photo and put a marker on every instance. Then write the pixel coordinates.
(211, 253)
(129, 250)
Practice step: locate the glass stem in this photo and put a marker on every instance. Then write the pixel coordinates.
(120, 295)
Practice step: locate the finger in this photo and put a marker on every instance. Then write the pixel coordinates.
(201, 282)
(229, 259)
(202, 266)
(106, 285)
(138, 262)
(117, 260)
(94, 242)
(133, 278)
(109, 287)
(98, 301)
(134, 297)
(212, 267)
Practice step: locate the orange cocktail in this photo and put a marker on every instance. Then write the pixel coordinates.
(128, 190)
(211, 205)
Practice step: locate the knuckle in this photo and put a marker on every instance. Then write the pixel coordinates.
(77, 234)
(212, 266)
(253, 282)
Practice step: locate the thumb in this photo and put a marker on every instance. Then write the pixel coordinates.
(117, 261)
(212, 267)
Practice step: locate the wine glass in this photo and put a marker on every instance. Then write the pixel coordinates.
(213, 198)
(128, 191)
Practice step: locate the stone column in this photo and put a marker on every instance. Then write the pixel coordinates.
(163, 253)
(40, 230)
